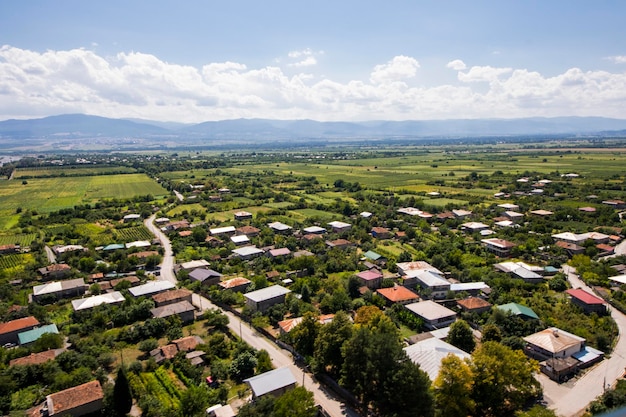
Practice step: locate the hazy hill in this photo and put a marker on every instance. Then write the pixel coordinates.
(73, 128)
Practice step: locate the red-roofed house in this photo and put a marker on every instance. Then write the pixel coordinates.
(238, 284)
(77, 401)
(36, 358)
(474, 305)
(371, 278)
(10, 329)
(500, 247)
(588, 302)
(398, 295)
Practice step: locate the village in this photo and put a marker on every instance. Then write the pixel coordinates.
(450, 278)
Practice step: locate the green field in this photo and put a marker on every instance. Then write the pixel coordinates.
(67, 171)
(24, 239)
(51, 194)
(132, 234)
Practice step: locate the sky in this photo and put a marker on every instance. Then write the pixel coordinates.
(194, 61)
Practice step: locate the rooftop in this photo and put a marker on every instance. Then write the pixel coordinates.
(584, 296)
(96, 300)
(429, 353)
(430, 310)
(71, 398)
(267, 293)
(151, 287)
(518, 310)
(397, 294)
(553, 340)
(18, 324)
(271, 381)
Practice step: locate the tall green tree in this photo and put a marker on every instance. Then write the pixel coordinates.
(503, 379)
(332, 336)
(121, 393)
(461, 336)
(303, 336)
(297, 402)
(453, 388)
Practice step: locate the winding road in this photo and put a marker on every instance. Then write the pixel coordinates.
(571, 399)
(280, 357)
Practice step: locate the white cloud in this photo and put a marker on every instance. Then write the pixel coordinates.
(456, 65)
(134, 84)
(304, 58)
(617, 59)
(399, 68)
(306, 62)
(485, 73)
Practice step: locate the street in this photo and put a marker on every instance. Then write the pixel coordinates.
(329, 402)
(572, 399)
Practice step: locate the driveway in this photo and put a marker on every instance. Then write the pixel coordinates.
(572, 398)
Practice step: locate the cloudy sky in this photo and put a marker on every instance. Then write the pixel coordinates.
(193, 61)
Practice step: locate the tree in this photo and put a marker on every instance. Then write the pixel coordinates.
(453, 388)
(297, 402)
(461, 336)
(243, 365)
(262, 407)
(121, 393)
(304, 334)
(264, 362)
(503, 379)
(194, 401)
(215, 318)
(491, 333)
(328, 344)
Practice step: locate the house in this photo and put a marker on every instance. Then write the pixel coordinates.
(429, 353)
(243, 215)
(285, 326)
(339, 243)
(113, 247)
(55, 271)
(314, 230)
(8, 249)
(542, 213)
(472, 227)
(61, 249)
(514, 216)
(223, 231)
(472, 288)
(275, 382)
(618, 204)
(9, 331)
(248, 252)
(434, 283)
(381, 233)
(580, 239)
(371, 278)
(434, 315)
(36, 358)
(588, 302)
(278, 227)
(132, 279)
(31, 336)
(129, 218)
(143, 255)
(238, 284)
(553, 343)
(151, 287)
(138, 244)
(408, 271)
(183, 309)
(278, 253)
(220, 410)
(509, 206)
(240, 240)
(205, 276)
(172, 296)
(474, 305)
(398, 294)
(339, 227)
(528, 273)
(191, 265)
(59, 289)
(378, 259)
(248, 231)
(461, 214)
(115, 297)
(75, 402)
(571, 248)
(518, 310)
(261, 300)
(499, 247)
(366, 214)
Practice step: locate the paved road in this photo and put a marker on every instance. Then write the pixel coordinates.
(571, 399)
(50, 255)
(280, 357)
(167, 265)
(179, 196)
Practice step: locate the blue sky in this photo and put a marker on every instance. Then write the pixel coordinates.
(340, 60)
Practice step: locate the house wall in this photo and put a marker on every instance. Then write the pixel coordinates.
(263, 305)
(11, 337)
(589, 308)
(439, 323)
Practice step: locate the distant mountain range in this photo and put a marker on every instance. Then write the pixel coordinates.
(79, 131)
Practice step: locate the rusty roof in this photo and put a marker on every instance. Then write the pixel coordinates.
(18, 324)
(68, 399)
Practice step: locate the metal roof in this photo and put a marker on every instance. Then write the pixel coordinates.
(271, 381)
(267, 293)
(30, 336)
(429, 353)
(151, 288)
(96, 300)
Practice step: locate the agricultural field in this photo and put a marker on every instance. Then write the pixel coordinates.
(45, 195)
(24, 239)
(70, 171)
(132, 234)
(14, 263)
